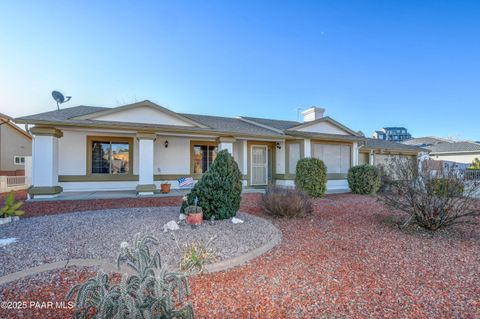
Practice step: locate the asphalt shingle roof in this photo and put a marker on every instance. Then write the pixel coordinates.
(278, 124)
(64, 114)
(455, 147)
(424, 141)
(373, 143)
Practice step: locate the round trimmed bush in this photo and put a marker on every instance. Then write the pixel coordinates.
(364, 179)
(311, 176)
(219, 190)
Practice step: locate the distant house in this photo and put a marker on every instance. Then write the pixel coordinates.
(15, 145)
(447, 150)
(394, 134)
(376, 152)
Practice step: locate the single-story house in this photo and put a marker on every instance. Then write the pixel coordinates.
(377, 151)
(463, 152)
(141, 145)
(15, 146)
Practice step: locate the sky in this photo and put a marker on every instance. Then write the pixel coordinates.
(369, 63)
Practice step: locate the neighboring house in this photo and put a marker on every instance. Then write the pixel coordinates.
(394, 134)
(140, 145)
(376, 152)
(447, 150)
(15, 145)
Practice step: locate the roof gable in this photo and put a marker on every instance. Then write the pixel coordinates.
(145, 112)
(324, 125)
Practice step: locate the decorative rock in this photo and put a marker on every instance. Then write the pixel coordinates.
(171, 225)
(5, 220)
(7, 241)
(124, 245)
(182, 217)
(236, 220)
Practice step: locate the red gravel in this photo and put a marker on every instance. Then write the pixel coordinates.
(348, 260)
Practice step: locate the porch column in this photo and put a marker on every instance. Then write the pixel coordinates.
(355, 154)
(307, 147)
(146, 185)
(226, 143)
(45, 162)
(371, 157)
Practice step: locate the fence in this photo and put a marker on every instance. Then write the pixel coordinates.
(471, 174)
(9, 183)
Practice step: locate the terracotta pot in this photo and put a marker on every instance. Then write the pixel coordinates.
(195, 219)
(165, 188)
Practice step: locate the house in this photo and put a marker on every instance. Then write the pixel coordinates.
(395, 134)
(140, 145)
(376, 152)
(447, 150)
(15, 145)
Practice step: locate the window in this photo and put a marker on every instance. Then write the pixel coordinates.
(203, 155)
(294, 156)
(335, 156)
(110, 156)
(19, 160)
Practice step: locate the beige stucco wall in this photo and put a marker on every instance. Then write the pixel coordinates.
(465, 158)
(12, 143)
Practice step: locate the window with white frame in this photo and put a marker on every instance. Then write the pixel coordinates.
(19, 160)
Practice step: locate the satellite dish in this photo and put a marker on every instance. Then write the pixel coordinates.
(59, 98)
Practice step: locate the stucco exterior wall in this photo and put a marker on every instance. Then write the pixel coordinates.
(465, 158)
(143, 114)
(175, 159)
(12, 143)
(324, 127)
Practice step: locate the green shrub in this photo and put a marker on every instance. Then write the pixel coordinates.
(446, 187)
(219, 190)
(364, 179)
(11, 208)
(286, 202)
(311, 176)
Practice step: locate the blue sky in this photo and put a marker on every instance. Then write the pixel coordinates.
(370, 63)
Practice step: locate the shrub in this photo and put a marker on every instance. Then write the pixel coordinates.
(364, 179)
(286, 202)
(196, 256)
(430, 194)
(311, 176)
(219, 190)
(444, 187)
(11, 208)
(141, 295)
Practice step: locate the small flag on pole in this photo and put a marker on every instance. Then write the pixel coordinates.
(185, 181)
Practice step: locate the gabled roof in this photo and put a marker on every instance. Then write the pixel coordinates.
(7, 120)
(379, 144)
(324, 119)
(134, 105)
(424, 141)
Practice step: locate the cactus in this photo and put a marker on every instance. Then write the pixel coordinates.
(149, 293)
(11, 208)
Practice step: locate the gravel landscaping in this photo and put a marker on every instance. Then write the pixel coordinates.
(98, 234)
(348, 260)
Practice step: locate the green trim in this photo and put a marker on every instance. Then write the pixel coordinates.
(331, 176)
(146, 188)
(198, 142)
(169, 177)
(46, 131)
(45, 190)
(98, 178)
(285, 177)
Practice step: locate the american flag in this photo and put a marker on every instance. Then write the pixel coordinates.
(185, 181)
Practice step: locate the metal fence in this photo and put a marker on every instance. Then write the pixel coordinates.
(471, 174)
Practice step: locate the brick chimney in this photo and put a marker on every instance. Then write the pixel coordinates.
(313, 113)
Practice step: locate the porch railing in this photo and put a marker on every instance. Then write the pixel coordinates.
(15, 181)
(9, 183)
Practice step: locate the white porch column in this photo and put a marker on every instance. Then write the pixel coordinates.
(371, 157)
(307, 147)
(45, 162)
(146, 185)
(355, 154)
(226, 143)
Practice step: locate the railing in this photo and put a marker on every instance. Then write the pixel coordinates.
(471, 174)
(15, 181)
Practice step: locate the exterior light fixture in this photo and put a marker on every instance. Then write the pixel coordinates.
(279, 146)
(166, 144)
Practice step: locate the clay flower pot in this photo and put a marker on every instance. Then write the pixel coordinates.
(165, 188)
(194, 215)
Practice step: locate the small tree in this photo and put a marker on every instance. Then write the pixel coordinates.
(433, 195)
(364, 179)
(475, 164)
(311, 176)
(219, 190)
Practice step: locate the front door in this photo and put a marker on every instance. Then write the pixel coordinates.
(259, 165)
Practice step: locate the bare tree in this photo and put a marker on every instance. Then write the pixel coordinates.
(433, 194)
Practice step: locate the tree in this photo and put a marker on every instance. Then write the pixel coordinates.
(219, 190)
(475, 164)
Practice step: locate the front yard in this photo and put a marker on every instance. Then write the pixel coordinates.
(349, 259)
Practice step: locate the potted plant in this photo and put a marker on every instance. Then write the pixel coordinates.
(165, 188)
(194, 213)
(11, 210)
